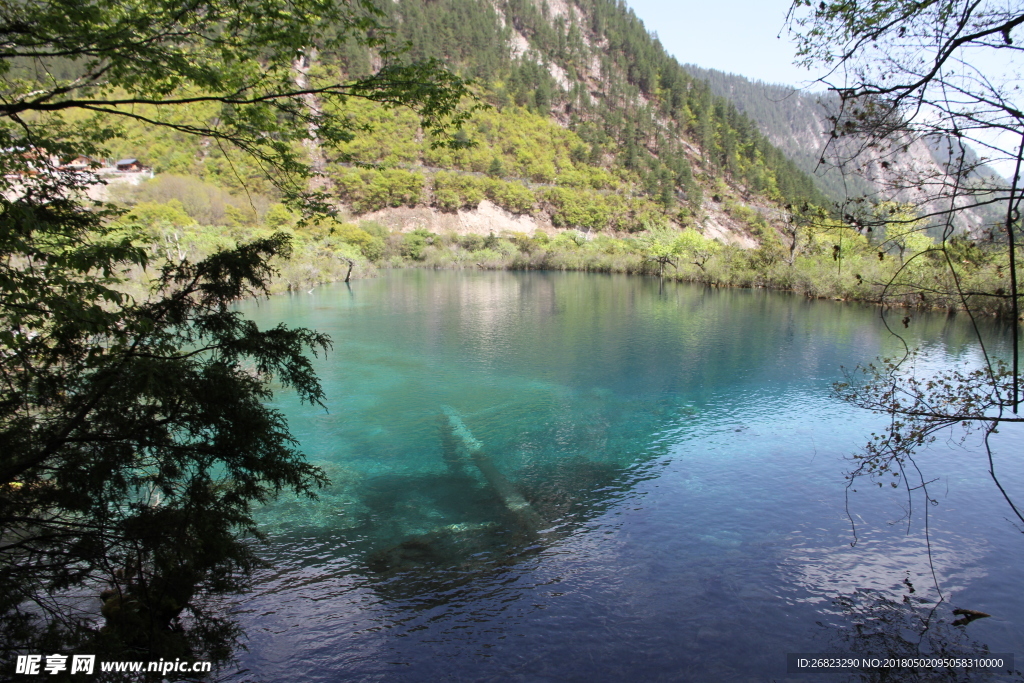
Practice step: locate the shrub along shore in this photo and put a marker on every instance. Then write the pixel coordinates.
(830, 261)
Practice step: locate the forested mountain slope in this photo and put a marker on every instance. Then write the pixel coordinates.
(638, 124)
(590, 124)
(796, 122)
(588, 148)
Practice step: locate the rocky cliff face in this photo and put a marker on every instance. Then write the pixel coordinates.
(674, 152)
(914, 172)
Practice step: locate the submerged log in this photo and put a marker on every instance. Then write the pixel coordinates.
(508, 493)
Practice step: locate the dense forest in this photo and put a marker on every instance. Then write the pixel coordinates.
(794, 121)
(588, 122)
(582, 122)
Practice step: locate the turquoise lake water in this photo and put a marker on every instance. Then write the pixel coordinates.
(571, 477)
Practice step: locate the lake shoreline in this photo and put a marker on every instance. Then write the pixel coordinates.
(925, 306)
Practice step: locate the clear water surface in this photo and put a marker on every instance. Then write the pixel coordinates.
(570, 477)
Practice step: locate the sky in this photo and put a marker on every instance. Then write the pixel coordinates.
(738, 36)
(748, 37)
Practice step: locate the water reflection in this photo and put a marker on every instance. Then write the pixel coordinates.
(679, 460)
(872, 625)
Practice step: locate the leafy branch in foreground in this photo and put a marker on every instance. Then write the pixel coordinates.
(136, 442)
(975, 399)
(260, 77)
(135, 439)
(942, 76)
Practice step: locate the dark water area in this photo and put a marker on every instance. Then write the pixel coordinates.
(571, 477)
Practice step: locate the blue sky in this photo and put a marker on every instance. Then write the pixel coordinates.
(738, 36)
(748, 37)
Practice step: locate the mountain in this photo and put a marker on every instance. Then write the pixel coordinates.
(587, 148)
(591, 125)
(638, 124)
(793, 120)
(796, 121)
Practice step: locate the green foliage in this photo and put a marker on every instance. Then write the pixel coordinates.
(578, 209)
(695, 247)
(139, 418)
(370, 246)
(836, 262)
(372, 190)
(238, 218)
(511, 196)
(415, 243)
(136, 435)
(496, 169)
(156, 216)
(279, 216)
(904, 232)
(205, 202)
(454, 191)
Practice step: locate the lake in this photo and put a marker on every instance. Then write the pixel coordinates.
(571, 477)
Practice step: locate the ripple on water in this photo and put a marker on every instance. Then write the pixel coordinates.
(682, 465)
